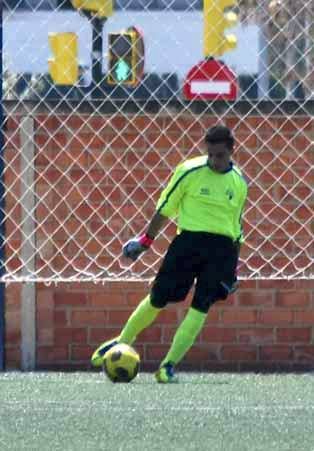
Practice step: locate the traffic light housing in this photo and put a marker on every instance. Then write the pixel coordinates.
(63, 67)
(125, 57)
(98, 8)
(216, 20)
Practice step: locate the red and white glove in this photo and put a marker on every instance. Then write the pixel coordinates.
(136, 246)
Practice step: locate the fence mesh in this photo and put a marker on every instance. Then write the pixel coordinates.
(80, 180)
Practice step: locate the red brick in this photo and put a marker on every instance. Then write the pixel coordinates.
(239, 316)
(62, 299)
(240, 352)
(283, 284)
(118, 317)
(293, 335)
(88, 318)
(218, 335)
(60, 318)
(202, 353)
(67, 335)
(12, 336)
(45, 317)
(12, 357)
(214, 315)
(168, 333)
(247, 299)
(293, 298)
(167, 317)
(55, 142)
(305, 284)
(150, 335)
(52, 354)
(44, 335)
(99, 335)
(100, 299)
(256, 335)
(45, 298)
(83, 141)
(134, 298)
(74, 121)
(156, 351)
(81, 352)
(304, 316)
(276, 353)
(294, 125)
(275, 317)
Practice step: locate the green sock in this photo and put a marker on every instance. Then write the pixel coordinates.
(142, 317)
(185, 336)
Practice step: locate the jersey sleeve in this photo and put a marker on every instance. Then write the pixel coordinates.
(169, 200)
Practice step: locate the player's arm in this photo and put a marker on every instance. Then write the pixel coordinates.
(133, 248)
(155, 225)
(167, 206)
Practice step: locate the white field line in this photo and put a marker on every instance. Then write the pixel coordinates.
(69, 405)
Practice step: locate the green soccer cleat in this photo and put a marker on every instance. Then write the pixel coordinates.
(98, 356)
(165, 374)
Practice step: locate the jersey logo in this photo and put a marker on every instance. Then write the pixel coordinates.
(229, 193)
(204, 191)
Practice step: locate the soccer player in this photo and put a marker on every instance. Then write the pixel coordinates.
(207, 195)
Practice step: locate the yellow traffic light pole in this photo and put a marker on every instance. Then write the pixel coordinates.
(216, 20)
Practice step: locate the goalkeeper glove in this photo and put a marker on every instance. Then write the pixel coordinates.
(134, 247)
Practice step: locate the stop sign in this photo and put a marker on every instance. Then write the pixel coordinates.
(210, 80)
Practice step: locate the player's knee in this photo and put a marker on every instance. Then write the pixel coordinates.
(202, 304)
(157, 301)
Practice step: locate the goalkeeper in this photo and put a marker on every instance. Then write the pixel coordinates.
(207, 195)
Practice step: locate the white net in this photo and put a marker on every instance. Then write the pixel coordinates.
(84, 164)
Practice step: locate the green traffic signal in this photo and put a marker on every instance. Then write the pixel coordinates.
(122, 70)
(125, 57)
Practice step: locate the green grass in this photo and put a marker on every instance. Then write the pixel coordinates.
(84, 411)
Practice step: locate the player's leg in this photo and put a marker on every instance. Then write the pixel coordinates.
(182, 341)
(142, 317)
(168, 286)
(219, 267)
(192, 263)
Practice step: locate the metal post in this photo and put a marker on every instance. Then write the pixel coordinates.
(2, 224)
(263, 65)
(28, 249)
(97, 55)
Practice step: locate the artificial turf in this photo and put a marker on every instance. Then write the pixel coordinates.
(85, 411)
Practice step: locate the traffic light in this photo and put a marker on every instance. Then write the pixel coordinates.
(126, 57)
(216, 20)
(97, 8)
(63, 67)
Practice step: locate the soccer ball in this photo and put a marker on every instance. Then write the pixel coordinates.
(121, 363)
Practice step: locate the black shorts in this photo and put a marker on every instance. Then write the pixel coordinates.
(199, 257)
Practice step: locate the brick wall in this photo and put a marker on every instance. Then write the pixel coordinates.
(265, 325)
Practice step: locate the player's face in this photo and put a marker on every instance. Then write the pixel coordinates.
(219, 156)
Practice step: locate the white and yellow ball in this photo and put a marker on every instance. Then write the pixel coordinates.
(121, 363)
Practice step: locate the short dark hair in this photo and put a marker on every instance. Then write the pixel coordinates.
(220, 134)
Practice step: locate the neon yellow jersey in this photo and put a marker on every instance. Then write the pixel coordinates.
(204, 200)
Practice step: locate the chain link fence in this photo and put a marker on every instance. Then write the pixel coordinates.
(84, 163)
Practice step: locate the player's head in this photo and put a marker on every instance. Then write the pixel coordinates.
(220, 142)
